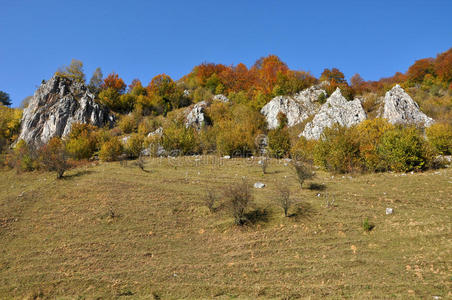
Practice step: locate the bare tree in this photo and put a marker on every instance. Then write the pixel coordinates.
(303, 170)
(264, 165)
(239, 198)
(283, 199)
(210, 198)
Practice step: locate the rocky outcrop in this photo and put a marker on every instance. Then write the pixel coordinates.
(55, 106)
(296, 108)
(221, 98)
(196, 115)
(336, 110)
(400, 108)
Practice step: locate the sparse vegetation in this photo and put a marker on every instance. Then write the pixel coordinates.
(239, 198)
(283, 199)
(303, 171)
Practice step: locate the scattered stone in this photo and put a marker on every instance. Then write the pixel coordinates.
(259, 185)
(55, 106)
(336, 110)
(400, 108)
(389, 211)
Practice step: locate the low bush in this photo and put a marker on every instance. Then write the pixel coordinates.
(111, 150)
(23, 157)
(134, 146)
(82, 141)
(54, 157)
(338, 150)
(279, 142)
(180, 140)
(128, 124)
(403, 149)
(440, 137)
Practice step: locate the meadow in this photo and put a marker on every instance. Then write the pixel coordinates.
(111, 230)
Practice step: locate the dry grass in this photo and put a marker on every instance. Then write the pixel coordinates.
(108, 231)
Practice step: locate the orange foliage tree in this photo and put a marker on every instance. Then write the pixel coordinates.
(115, 82)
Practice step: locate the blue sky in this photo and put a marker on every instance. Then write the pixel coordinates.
(140, 39)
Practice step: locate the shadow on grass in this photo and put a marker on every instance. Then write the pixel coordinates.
(303, 211)
(257, 216)
(77, 174)
(317, 186)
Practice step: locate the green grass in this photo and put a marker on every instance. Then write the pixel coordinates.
(107, 231)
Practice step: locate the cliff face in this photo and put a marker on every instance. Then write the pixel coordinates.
(400, 108)
(55, 106)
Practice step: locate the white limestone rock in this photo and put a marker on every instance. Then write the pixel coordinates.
(336, 110)
(400, 108)
(55, 106)
(196, 115)
(221, 98)
(297, 108)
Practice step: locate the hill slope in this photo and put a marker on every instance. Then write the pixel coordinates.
(110, 231)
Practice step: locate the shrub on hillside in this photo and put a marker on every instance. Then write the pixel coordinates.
(54, 157)
(134, 146)
(403, 149)
(9, 123)
(440, 136)
(128, 124)
(237, 130)
(82, 141)
(111, 150)
(279, 142)
(179, 140)
(303, 149)
(23, 157)
(370, 133)
(338, 150)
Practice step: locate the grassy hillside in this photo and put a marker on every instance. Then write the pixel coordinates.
(111, 231)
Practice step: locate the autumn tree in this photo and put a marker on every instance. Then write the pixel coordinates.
(96, 80)
(4, 98)
(333, 75)
(419, 69)
(165, 93)
(357, 83)
(115, 82)
(267, 70)
(74, 71)
(443, 66)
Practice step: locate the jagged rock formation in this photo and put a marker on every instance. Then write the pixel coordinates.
(336, 110)
(400, 108)
(55, 106)
(196, 116)
(297, 108)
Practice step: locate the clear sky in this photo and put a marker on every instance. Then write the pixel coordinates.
(140, 39)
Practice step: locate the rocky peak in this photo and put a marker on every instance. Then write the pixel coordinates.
(400, 108)
(297, 108)
(55, 106)
(335, 110)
